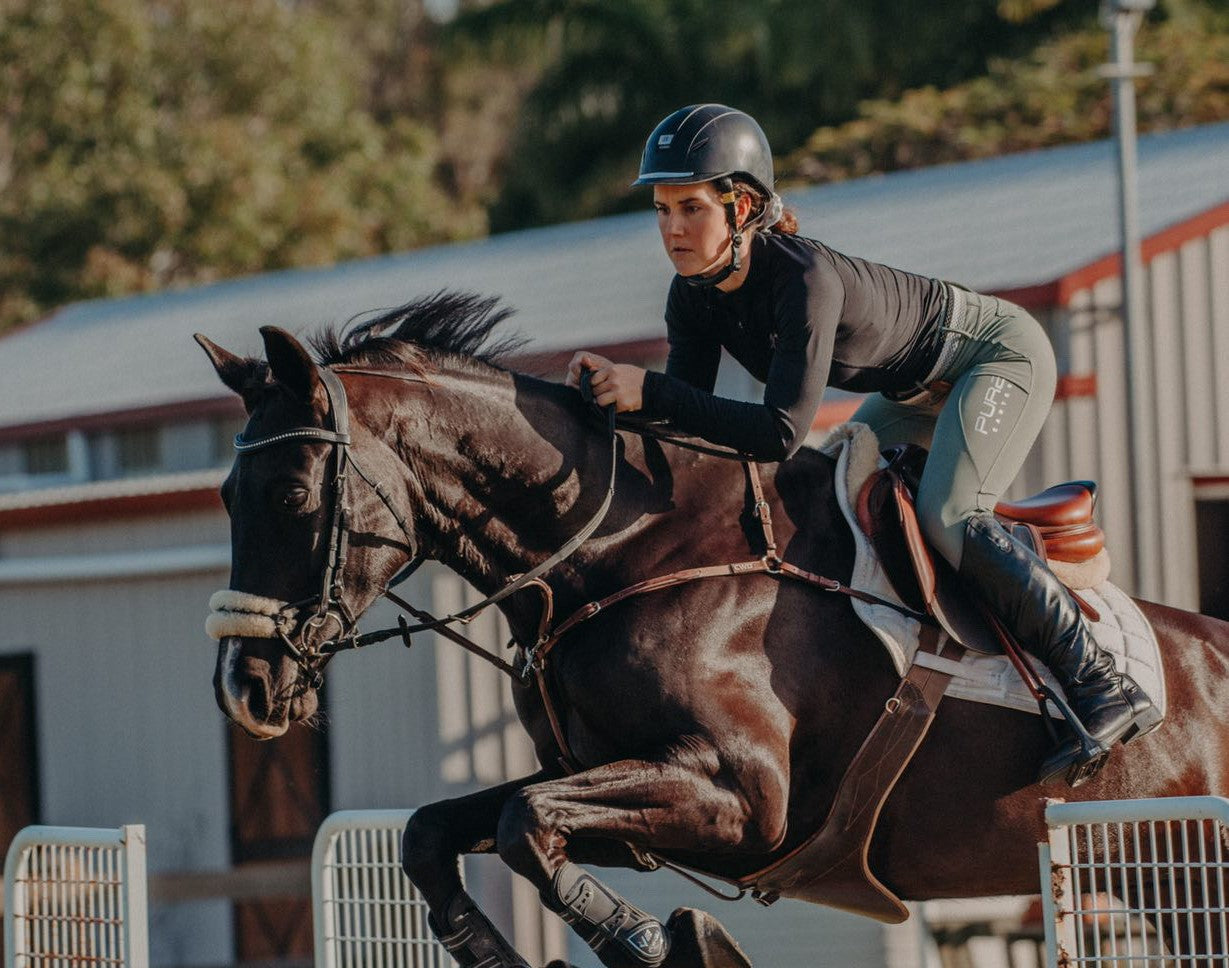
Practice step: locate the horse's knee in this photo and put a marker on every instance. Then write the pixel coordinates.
(424, 844)
(521, 825)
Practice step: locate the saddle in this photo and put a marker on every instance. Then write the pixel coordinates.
(1056, 524)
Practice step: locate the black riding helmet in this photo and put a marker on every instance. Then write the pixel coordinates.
(710, 142)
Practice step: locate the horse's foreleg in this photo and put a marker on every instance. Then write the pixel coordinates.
(431, 847)
(648, 804)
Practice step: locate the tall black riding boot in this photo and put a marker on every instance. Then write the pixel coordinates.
(1039, 610)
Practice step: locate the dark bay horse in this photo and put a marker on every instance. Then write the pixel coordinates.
(711, 722)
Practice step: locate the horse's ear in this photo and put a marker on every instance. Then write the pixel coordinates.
(292, 367)
(241, 374)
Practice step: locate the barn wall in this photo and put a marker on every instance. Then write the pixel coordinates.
(128, 731)
(1187, 324)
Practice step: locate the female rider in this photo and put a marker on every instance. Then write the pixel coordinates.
(969, 376)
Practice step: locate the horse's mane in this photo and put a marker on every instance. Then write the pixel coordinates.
(459, 324)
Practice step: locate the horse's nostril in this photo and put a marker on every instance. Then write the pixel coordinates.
(254, 693)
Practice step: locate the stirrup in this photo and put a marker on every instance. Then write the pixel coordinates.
(1088, 759)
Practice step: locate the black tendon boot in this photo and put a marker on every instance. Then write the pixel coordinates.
(1039, 610)
(602, 917)
(471, 938)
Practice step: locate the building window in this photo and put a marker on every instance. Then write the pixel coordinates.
(138, 449)
(46, 455)
(223, 443)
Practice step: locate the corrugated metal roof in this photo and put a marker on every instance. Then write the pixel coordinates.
(993, 224)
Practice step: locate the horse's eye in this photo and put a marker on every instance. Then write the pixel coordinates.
(293, 498)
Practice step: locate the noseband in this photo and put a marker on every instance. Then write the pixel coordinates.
(238, 610)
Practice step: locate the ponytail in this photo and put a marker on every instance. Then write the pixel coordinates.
(787, 224)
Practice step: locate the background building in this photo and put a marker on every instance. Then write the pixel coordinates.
(115, 433)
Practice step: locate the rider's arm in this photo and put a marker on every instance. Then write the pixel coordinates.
(806, 313)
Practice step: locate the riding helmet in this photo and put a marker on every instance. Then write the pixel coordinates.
(704, 142)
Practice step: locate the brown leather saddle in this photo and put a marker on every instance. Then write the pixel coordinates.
(1057, 524)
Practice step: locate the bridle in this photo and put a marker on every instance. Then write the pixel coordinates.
(329, 603)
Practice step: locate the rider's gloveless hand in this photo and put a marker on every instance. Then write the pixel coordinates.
(619, 383)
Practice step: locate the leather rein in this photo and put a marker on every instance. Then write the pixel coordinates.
(531, 660)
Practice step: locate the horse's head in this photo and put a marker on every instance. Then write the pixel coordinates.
(312, 545)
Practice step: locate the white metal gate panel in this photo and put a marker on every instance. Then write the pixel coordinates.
(366, 912)
(76, 896)
(1135, 883)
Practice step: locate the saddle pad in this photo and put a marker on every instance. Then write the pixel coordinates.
(1122, 630)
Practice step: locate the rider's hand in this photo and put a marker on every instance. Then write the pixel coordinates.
(619, 383)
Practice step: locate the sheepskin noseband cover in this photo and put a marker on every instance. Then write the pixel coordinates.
(244, 615)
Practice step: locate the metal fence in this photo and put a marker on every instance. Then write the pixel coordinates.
(366, 912)
(1135, 883)
(76, 896)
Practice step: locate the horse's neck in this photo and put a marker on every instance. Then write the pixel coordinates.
(509, 472)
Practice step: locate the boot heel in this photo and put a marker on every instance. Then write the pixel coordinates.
(1144, 724)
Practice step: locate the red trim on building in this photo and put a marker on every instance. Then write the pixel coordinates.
(97, 509)
(1060, 292)
(182, 410)
(835, 412)
(1075, 385)
(552, 365)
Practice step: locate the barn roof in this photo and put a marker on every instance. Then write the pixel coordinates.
(998, 224)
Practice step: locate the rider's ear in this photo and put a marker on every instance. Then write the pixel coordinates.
(292, 367)
(241, 374)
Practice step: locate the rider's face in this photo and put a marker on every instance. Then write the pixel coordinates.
(693, 227)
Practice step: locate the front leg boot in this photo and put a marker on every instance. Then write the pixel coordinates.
(472, 939)
(604, 918)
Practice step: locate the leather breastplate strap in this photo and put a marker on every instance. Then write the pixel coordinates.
(831, 867)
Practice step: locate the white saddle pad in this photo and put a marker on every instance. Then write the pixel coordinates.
(1122, 630)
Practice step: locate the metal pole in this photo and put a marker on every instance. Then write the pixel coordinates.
(1125, 17)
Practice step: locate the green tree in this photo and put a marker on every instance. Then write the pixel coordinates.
(146, 143)
(611, 70)
(1054, 96)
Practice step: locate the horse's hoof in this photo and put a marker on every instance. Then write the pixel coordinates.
(698, 940)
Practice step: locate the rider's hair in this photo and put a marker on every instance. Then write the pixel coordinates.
(786, 224)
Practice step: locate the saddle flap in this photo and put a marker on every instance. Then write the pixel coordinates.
(923, 581)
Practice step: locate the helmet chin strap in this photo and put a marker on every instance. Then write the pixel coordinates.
(725, 186)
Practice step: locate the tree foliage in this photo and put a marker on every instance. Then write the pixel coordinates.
(1054, 96)
(152, 143)
(610, 71)
(147, 143)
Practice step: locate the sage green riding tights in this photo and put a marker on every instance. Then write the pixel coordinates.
(1001, 369)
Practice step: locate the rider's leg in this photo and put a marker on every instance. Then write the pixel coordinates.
(895, 423)
(1002, 386)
